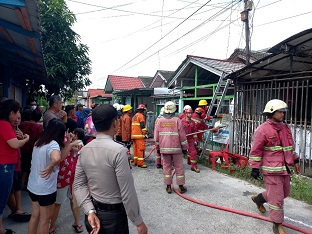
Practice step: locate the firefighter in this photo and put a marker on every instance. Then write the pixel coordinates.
(158, 160)
(171, 143)
(204, 105)
(125, 121)
(190, 127)
(138, 133)
(199, 121)
(182, 115)
(273, 154)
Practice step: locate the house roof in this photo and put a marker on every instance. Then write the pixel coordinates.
(165, 75)
(291, 57)
(118, 83)
(239, 55)
(92, 93)
(214, 66)
(20, 44)
(146, 80)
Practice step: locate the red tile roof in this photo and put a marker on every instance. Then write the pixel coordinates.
(98, 92)
(125, 82)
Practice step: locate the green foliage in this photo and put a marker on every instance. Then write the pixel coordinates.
(66, 59)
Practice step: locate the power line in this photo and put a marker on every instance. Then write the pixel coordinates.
(290, 17)
(172, 41)
(162, 37)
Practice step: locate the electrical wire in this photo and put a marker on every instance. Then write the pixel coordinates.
(290, 17)
(229, 36)
(161, 28)
(171, 42)
(162, 38)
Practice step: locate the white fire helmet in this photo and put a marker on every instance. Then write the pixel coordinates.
(170, 107)
(274, 105)
(187, 107)
(116, 106)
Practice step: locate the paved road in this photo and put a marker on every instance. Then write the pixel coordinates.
(170, 213)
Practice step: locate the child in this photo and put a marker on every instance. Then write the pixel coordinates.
(65, 180)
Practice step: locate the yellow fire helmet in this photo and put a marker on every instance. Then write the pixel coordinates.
(202, 103)
(126, 108)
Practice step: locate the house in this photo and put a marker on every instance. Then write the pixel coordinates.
(197, 77)
(128, 90)
(97, 96)
(22, 66)
(286, 74)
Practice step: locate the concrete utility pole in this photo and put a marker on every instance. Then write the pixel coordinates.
(245, 19)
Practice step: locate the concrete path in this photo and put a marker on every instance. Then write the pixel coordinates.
(170, 213)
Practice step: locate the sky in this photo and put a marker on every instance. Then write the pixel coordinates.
(138, 37)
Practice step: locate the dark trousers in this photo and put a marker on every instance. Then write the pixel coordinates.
(112, 222)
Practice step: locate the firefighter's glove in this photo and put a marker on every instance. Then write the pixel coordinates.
(184, 152)
(255, 173)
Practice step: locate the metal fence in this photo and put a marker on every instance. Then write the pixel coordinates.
(250, 100)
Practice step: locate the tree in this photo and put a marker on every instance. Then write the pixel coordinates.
(66, 59)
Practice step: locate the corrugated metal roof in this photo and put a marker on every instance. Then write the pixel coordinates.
(291, 56)
(146, 80)
(20, 43)
(214, 66)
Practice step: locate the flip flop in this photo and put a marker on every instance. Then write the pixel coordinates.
(23, 217)
(78, 228)
(9, 231)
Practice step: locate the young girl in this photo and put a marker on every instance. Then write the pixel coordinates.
(46, 156)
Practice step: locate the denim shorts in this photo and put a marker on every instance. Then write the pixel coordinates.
(6, 181)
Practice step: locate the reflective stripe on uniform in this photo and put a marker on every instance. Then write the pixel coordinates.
(170, 149)
(167, 176)
(274, 169)
(168, 134)
(255, 158)
(180, 176)
(193, 161)
(137, 135)
(184, 142)
(274, 207)
(135, 124)
(140, 159)
(156, 143)
(273, 148)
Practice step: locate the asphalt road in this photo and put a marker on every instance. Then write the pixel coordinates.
(170, 213)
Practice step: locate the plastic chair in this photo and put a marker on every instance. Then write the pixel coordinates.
(222, 154)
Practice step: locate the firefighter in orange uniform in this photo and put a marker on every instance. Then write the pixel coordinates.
(138, 132)
(199, 121)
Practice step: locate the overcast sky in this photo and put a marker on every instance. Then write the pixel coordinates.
(138, 37)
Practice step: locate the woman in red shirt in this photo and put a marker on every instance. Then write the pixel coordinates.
(9, 144)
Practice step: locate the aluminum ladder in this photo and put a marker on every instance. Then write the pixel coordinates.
(216, 102)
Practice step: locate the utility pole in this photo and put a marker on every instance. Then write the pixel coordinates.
(245, 19)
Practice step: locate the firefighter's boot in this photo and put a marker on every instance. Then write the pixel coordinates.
(182, 189)
(169, 189)
(195, 169)
(259, 200)
(278, 228)
(159, 166)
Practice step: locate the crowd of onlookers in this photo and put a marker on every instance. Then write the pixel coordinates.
(38, 153)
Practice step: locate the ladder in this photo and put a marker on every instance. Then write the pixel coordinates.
(216, 102)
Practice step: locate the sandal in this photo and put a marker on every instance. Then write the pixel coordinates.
(23, 217)
(9, 231)
(78, 228)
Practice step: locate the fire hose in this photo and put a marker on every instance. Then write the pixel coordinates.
(293, 227)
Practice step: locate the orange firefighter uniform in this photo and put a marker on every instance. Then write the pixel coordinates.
(138, 132)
